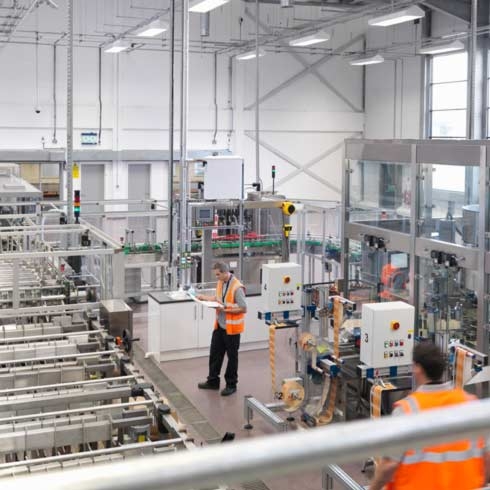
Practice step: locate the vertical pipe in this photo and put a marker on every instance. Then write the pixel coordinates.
(215, 97)
(257, 93)
(471, 114)
(171, 84)
(184, 117)
(54, 140)
(205, 17)
(99, 138)
(230, 98)
(69, 116)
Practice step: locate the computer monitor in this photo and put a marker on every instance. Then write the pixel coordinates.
(399, 260)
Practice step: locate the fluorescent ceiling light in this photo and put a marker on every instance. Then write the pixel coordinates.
(315, 38)
(442, 48)
(369, 60)
(249, 55)
(202, 6)
(116, 47)
(152, 29)
(397, 17)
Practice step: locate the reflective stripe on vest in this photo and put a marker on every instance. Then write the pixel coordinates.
(447, 457)
(455, 465)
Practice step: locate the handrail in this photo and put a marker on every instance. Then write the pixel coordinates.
(270, 456)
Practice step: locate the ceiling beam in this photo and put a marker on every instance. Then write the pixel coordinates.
(460, 9)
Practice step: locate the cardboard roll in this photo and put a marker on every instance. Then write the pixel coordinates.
(293, 395)
(307, 342)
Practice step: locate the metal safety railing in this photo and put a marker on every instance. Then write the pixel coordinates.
(270, 456)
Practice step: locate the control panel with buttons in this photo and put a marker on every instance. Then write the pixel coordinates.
(281, 287)
(387, 334)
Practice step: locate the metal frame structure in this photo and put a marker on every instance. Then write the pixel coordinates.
(414, 154)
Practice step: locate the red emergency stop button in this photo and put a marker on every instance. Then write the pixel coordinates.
(395, 325)
(287, 279)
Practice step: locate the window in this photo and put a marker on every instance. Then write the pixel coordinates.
(449, 96)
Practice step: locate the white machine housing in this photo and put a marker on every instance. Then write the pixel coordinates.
(387, 332)
(281, 287)
(223, 177)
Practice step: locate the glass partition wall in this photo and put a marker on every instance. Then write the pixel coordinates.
(419, 210)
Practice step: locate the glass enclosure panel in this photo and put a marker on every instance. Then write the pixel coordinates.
(448, 303)
(449, 204)
(380, 195)
(378, 275)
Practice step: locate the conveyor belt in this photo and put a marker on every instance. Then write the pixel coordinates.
(188, 412)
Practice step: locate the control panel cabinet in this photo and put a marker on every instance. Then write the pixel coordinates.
(281, 287)
(387, 334)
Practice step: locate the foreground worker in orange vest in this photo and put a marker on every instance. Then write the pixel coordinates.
(457, 465)
(229, 324)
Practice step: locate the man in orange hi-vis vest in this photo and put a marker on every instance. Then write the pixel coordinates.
(229, 324)
(458, 465)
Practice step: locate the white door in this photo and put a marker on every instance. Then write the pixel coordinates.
(91, 189)
(139, 188)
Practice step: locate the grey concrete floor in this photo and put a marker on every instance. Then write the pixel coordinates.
(226, 414)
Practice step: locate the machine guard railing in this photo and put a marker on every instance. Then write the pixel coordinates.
(276, 455)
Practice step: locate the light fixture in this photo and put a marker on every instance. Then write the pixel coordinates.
(367, 60)
(249, 55)
(202, 6)
(397, 17)
(315, 38)
(152, 29)
(116, 47)
(442, 48)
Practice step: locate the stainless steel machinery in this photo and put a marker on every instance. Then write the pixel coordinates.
(69, 395)
(419, 211)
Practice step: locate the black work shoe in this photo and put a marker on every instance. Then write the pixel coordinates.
(229, 390)
(206, 385)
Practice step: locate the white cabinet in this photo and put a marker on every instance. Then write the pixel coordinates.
(183, 329)
(179, 326)
(206, 319)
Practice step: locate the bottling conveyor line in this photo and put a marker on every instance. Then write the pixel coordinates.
(70, 395)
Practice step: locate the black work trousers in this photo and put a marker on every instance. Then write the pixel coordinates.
(222, 343)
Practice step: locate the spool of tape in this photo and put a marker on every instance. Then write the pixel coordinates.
(307, 342)
(293, 395)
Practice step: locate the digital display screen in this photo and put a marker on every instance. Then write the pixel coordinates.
(399, 260)
(205, 214)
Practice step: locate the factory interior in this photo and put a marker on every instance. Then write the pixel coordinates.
(332, 155)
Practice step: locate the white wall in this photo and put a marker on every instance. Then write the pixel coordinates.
(394, 88)
(305, 122)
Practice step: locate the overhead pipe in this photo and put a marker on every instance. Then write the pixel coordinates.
(54, 140)
(184, 119)
(215, 97)
(171, 144)
(230, 98)
(99, 139)
(257, 93)
(69, 116)
(472, 76)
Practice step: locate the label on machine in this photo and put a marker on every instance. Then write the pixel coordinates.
(281, 287)
(387, 334)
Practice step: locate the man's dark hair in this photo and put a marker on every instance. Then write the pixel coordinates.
(221, 266)
(431, 359)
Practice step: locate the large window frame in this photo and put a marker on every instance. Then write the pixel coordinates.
(448, 96)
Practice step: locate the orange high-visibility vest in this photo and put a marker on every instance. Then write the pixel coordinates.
(388, 273)
(235, 322)
(450, 466)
